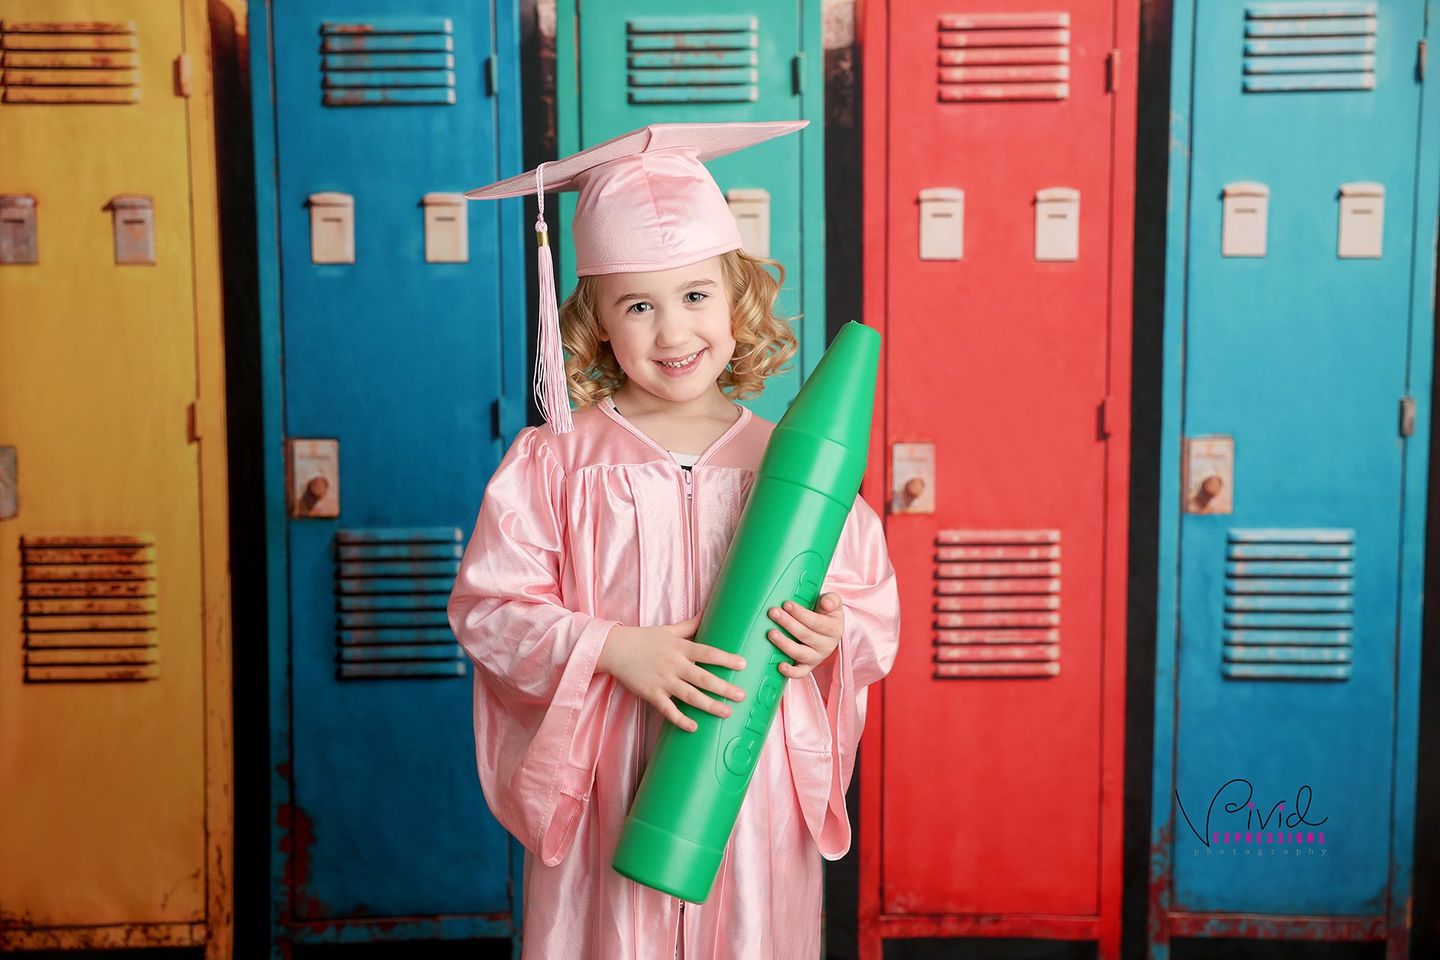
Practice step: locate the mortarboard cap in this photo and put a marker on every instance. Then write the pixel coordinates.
(646, 203)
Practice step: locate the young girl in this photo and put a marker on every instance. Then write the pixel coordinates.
(599, 540)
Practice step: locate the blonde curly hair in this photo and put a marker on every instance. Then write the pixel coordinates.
(764, 343)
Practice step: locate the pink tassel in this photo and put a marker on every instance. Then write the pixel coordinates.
(551, 393)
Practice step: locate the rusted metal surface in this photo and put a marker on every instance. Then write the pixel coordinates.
(989, 925)
(20, 932)
(297, 840)
(1257, 927)
(69, 26)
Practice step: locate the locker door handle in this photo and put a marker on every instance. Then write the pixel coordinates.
(9, 484)
(1210, 488)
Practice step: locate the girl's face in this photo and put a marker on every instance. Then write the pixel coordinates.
(670, 329)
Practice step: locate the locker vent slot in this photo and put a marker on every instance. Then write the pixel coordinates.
(69, 62)
(1296, 47)
(388, 62)
(711, 59)
(1289, 604)
(997, 603)
(1004, 56)
(89, 608)
(392, 586)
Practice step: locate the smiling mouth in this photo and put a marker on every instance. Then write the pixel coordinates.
(681, 363)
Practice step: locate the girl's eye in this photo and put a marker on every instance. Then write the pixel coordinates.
(695, 296)
(640, 306)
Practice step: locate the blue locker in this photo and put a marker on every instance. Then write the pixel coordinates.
(393, 348)
(1299, 314)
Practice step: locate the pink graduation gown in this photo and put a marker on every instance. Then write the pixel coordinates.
(579, 532)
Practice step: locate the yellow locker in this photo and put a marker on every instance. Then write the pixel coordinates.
(115, 754)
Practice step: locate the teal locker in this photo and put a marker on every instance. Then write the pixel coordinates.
(625, 63)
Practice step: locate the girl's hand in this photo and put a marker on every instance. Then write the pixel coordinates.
(818, 633)
(661, 664)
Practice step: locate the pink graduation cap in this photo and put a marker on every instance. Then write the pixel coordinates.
(646, 203)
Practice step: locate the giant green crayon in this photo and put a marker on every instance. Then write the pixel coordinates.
(677, 829)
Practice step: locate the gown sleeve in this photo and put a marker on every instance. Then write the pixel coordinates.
(825, 714)
(539, 705)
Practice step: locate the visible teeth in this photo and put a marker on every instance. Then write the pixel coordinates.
(679, 363)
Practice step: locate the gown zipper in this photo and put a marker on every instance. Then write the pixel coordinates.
(690, 573)
(694, 588)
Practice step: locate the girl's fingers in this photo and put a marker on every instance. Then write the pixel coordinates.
(790, 620)
(796, 671)
(795, 651)
(701, 653)
(670, 712)
(700, 701)
(705, 680)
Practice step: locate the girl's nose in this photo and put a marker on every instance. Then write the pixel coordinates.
(671, 328)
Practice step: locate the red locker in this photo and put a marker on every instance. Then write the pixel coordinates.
(999, 160)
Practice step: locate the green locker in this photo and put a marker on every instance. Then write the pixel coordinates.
(624, 63)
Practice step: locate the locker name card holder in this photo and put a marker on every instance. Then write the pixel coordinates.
(1246, 219)
(1057, 224)
(447, 237)
(1362, 220)
(332, 228)
(750, 206)
(134, 218)
(942, 223)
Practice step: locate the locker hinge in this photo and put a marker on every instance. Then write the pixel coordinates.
(1407, 416)
(495, 417)
(1420, 49)
(492, 76)
(182, 75)
(192, 420)
(1112, 71)
(797, 73)
(1105, 418)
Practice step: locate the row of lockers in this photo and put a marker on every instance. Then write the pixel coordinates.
(999, 146)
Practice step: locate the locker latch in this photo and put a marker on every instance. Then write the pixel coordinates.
(312, 477)
(1209, 474)
(182, 75)
(912, 471)
(9, 484)
(17, 229)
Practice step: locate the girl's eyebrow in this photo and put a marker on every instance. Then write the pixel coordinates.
(702, 282)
